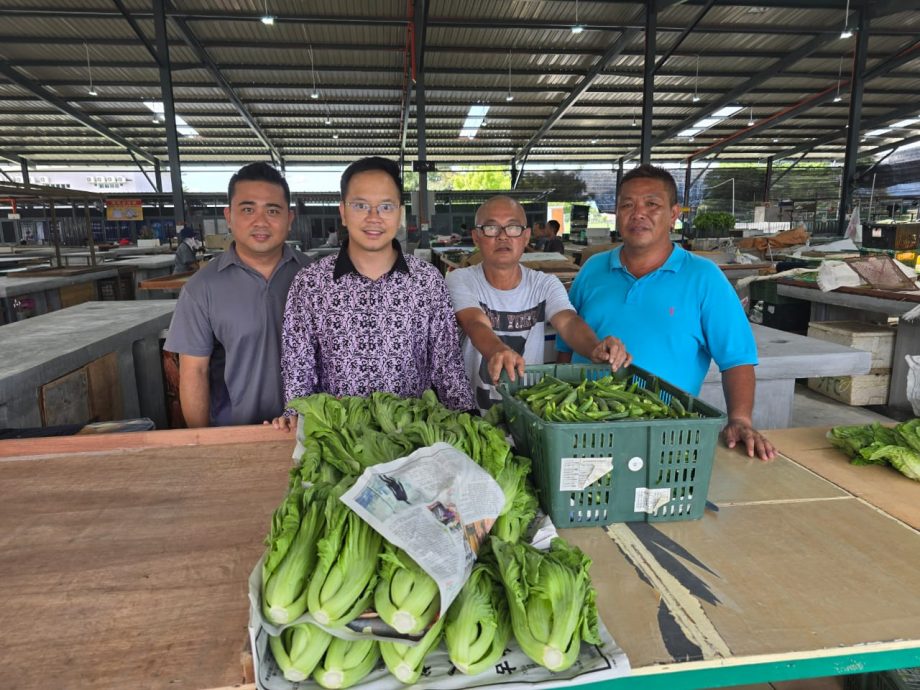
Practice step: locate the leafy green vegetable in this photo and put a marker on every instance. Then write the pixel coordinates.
(550, 599)
(299, 649)
(342, 584)
(520, 501)
(406, 598)
(406, 661)
(478, 624)
(346, 663)
(292, 554)
(874, 444)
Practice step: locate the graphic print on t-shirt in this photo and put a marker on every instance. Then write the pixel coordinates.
(511, 328)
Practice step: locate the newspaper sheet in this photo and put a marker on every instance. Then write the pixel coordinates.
(437, 505)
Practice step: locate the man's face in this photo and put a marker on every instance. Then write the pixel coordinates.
(371, 231)
(501, 251)
(259, 218)
(645, 215)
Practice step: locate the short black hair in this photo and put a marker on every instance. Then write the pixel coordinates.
(372, 163)
(258, 172)
(554, 224)
(647, 171)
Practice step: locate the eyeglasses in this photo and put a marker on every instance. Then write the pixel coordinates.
(496, 230)
(387, 208)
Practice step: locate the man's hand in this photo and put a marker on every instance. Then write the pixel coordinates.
(740, 431)
(611, 351)
(505, 360)
(285, 424)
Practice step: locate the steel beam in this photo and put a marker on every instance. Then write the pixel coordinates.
(569, 101)
(768, 180)
(855, 119)
(59, 104)
(135, 27)
(820, 98)
(169, 112)
(225, 86)
(420, 30)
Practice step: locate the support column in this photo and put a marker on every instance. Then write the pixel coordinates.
(169, 111)
(648, 81)
(768, 180)
(856, 96)
(24, 166)
(422, 213)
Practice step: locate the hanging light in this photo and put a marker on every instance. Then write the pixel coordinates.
(335, 135)
(314, 94)
(594, 141)
(846, 33)
(266, 18)
(696, 84)
(89, 68)
(328, 120)
(751, 118)
(576, 27)
(510, 96)
(837, 98)
(634, 116)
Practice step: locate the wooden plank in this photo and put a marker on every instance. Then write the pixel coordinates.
(72, 295)
(105, 389)
(137, 579)
(66, 400)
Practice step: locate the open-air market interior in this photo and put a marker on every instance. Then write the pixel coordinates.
(415, 343)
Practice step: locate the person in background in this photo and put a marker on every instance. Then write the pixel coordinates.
(227, 324)
(538, 233)
(186, 252)
(503, 307)
(675, 311)
(371, 318)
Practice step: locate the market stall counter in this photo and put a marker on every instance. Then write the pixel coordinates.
(125, 561)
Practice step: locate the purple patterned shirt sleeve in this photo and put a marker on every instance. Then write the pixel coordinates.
(354, 336)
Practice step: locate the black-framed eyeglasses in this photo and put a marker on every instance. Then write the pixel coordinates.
(387, 208)
(495, 230)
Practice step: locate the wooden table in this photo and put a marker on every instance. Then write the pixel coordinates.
(124, 558)
(866, 304)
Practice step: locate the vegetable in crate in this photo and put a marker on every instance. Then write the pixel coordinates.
(346, 663)
(297, 526)
(406, 598)
(298, 649)
(478, 623)
(551, 600)
(601, 400)
(342, 584)
(406, 661)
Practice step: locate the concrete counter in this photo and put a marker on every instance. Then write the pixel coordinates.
(49, 293)
(72, 363)
(785, 357)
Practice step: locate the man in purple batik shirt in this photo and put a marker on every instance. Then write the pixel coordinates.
(371, 318)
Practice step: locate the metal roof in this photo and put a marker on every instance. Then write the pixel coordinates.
(361, 62)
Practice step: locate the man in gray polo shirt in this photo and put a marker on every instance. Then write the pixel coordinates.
(227, 324)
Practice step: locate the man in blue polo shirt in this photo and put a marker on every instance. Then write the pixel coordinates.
(675, 312)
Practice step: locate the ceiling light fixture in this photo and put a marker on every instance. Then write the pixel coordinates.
(751, 118)
(696, 83)
(335, 135)
(510, 96)
(314, 94)
(775, 140)
(576, 27)
(837, 98)
(594, 141)
(89, 68)
(846, 33)
(328, 120)
(266, 18)
(634, 116)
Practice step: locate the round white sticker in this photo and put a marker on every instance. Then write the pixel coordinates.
(635, 464)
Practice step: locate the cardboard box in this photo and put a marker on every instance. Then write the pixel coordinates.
(865, 389)
(860, 335)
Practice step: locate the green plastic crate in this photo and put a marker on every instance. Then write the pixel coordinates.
(651, 458)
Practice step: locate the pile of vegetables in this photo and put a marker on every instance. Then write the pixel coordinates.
(874, 444)
(322, 559)
(601, 400)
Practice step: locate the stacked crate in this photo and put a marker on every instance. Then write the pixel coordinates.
(863, 389)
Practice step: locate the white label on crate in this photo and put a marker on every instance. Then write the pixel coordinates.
(577, 474)
(650, 500)
(635, 464)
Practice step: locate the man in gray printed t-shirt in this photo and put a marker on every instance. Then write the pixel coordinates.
(227, 324)
(503, 307)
